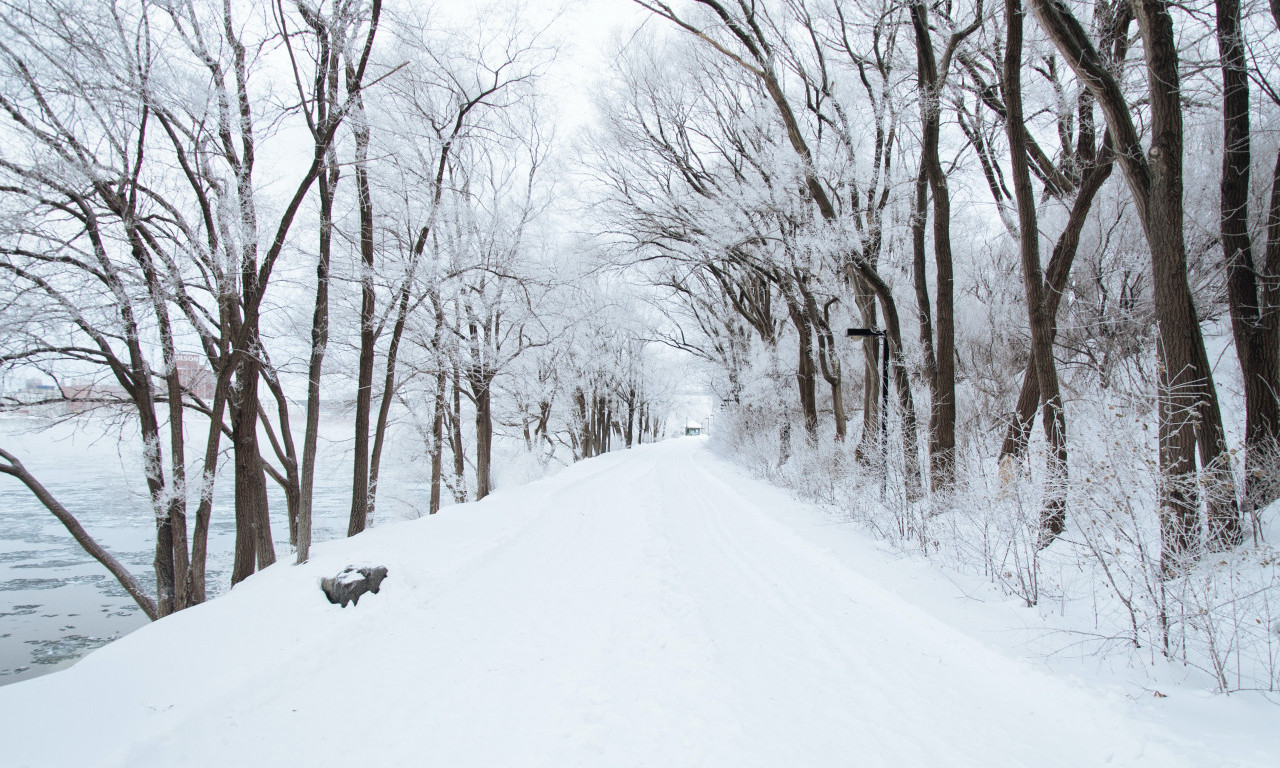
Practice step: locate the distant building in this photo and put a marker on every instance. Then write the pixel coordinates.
(86, 395)
(40, 388)
(692, 429)
(194, 377)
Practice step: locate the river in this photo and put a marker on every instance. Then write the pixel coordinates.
(57, 603)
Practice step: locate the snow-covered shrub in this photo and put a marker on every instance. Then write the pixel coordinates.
(1219, 615)
(750, 438)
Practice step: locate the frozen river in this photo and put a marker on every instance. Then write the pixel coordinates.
(56, 602)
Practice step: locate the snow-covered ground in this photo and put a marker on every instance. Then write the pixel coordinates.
(649, 607)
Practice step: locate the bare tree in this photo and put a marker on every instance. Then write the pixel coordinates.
(332, 32)
(1189, 416)
(447, 98)
(1254, 322)
(1053, 516)
(931, 79)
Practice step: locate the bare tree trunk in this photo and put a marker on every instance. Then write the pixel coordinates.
(165, 596)
(543, 430)
(171, 544)
(481, 390)
(1054, 514)
(582, 435)
(806, 375)
(1188, 377)
(437, 416)
(1257, 343)
(459, 457)
(869, 442)
(196, 582)
(250, 480)
(919, 273)
(631, 416)
(283, 447)
(170, 503)
(601, 418)
(315, 366)
(325, 103)
(608, 425)
(368, 334)
(829, 365)
(1056, 276)
(388, 391)
(942, 411)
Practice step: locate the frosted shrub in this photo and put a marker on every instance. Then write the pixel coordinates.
(1215, 614)
(750, 437)
(1223, 620)
(1262, 485)
(1219, 615)
(994, 525)
(820, 470)
(1116, 532)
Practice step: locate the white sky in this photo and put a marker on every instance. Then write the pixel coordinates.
(585, 29)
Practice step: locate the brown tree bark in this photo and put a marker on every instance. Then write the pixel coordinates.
(254, 548)
(1056, 276)
(630, 428)
(481, 392)
(328, 183)
(368, 333)
(828, 359)
(1054, 513)
(1257, 342)
(919, 274)
(869, 441)
(388, 393)
(438, 407)
(806, 375)
(196, 582)
(942, 408)
(324, 119)
(459, 455)
(1093, 167)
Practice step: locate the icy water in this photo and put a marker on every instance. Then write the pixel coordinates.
(56, 602)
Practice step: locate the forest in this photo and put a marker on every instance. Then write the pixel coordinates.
(1000, 283)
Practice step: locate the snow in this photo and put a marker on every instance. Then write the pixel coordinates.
(649, 607)
(350, 575)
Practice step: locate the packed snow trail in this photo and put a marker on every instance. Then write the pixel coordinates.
(646, 608)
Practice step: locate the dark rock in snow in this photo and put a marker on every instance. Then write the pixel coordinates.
(351, 583)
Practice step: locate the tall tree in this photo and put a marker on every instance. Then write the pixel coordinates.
(1189, 416)
(1053, 516)
(931, 79)
(1254, 324)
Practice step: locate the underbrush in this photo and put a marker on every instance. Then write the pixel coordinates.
(1220, 615)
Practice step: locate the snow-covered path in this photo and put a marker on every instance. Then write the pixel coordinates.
(647, 608)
